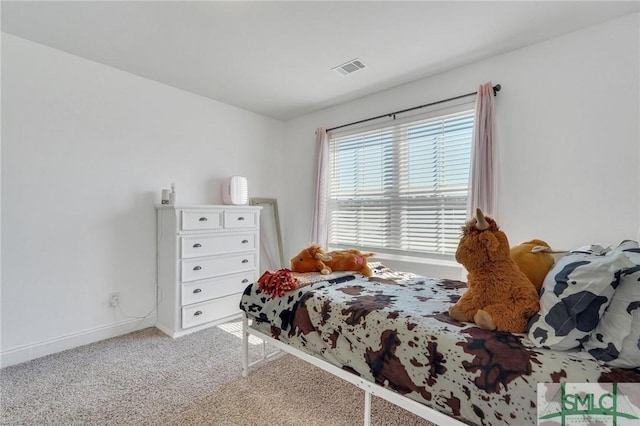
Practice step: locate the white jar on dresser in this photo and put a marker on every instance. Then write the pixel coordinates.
(207, 256)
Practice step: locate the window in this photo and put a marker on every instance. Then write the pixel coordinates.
(402, 189)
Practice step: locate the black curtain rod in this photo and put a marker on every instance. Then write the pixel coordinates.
(496, 89)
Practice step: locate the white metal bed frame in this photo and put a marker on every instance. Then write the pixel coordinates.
(369, 388)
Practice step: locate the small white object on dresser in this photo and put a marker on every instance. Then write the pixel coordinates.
(207, 256)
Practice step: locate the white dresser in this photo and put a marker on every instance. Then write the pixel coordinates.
(207, 256)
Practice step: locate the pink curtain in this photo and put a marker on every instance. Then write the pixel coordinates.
(483, 173)
(319, 232)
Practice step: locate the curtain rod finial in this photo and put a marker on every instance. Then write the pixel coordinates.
(496, 89)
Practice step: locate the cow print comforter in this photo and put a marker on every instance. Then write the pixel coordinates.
(393, 329)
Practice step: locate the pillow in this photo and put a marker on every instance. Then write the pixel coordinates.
(574, 296)
(616, 339)
(603, 249)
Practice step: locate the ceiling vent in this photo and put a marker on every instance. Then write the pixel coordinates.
(349, 67)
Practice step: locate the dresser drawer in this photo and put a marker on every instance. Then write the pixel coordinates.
(234, 219)
(208, 245)
(201, 313)
(194, 220)
(208, 267)
(204, 290)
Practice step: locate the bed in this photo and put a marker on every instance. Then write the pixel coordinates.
(390, 334)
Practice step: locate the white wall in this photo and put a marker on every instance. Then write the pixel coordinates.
(86, 150)
(568, 137)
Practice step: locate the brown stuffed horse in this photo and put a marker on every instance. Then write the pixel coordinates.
(314, 259)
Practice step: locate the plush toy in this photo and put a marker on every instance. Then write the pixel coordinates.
(534, 258)
(314, 259)
(499, 295)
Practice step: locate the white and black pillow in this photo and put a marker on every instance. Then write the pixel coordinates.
(616, 340)
(574, 296)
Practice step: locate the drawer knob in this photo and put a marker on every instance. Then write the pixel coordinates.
(245, 260)
(241, 218)
(197, 245)
(245, 281)
(245, 241)
(197, 268)
(197, 290)
(203, 219)
(196, 313)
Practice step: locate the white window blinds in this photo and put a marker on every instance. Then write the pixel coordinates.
(403, 188)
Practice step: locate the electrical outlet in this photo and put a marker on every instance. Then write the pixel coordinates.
(114, 299)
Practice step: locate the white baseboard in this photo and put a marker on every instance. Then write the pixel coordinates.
(47, 347)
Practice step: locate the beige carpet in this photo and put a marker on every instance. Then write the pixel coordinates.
(147, 378)
(303, 395)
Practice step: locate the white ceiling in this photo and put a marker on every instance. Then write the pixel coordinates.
(275, 58)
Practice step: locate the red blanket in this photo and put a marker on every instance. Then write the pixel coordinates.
(277, 283)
